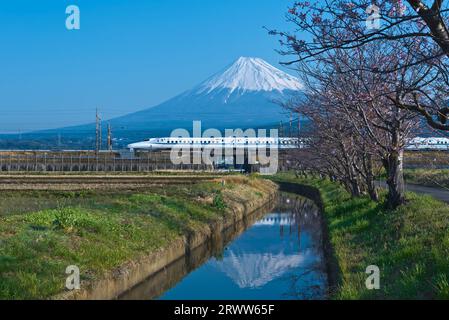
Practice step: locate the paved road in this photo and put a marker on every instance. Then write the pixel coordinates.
(437, 193)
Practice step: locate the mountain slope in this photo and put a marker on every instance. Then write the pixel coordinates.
(246, 94)
(250, 74)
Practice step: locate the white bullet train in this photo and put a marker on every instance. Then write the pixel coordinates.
(415, 144)
(225, 142)
(431, 143)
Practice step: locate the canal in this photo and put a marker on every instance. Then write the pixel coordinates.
(273, 254)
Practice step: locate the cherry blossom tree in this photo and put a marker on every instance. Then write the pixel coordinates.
(414, 31)
(354, 109)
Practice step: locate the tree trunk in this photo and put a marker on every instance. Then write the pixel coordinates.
(370, 180)
(372, 191)
(395, 179)
(355, 189)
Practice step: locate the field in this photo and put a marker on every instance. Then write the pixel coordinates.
(428, 177)
(98, 181)
(43, 232)
(426, 159)
(410, 245)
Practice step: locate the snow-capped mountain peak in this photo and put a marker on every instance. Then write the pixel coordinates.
(250, 74)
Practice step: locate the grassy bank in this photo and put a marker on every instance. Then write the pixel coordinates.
(428, 177)
(41, 233)
(410, 245)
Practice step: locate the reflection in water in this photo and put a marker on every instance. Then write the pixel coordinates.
(278, 257)
(253, 270)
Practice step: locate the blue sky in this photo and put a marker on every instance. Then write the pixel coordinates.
(127, 56)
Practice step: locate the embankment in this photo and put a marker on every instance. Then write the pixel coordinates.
(134, 272)
(115, 239)
(409, 244)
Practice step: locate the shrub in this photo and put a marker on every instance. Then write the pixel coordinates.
(219, 202)
(68, 219)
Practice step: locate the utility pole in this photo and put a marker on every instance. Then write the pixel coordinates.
(281, 129)
(109, 137)
(97, 132)
(100, 140)
(291, 123)
(299, 124)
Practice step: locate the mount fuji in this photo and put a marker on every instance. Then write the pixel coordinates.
(249, 75)
(246, 94)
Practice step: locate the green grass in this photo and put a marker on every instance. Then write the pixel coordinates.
(428, 177)
(410, 245)
(99, 232)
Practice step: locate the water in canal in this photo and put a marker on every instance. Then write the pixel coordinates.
(274, 255)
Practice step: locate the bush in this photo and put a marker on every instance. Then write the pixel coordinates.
(71, 219)
(219, 202)
(67, 219)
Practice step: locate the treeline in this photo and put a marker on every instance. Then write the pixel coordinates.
(369, 83)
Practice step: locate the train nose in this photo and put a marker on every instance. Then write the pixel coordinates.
(134, 146)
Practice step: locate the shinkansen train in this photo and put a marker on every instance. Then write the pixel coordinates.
(225, 142)
(419, 143)
(415, 144)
